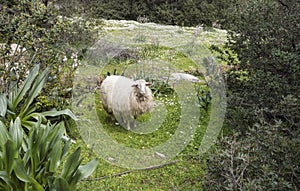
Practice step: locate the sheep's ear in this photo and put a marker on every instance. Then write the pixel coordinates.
(148, 84)
(134, 85)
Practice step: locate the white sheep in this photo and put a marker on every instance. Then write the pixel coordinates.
(126, 99)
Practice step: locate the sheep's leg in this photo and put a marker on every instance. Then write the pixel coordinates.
(112, 117)
(134, 121)
(134, 124)
(128, 126)
(131, 121)
(125, 121)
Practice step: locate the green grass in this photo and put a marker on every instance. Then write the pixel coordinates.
(186, 170)
(186, 174)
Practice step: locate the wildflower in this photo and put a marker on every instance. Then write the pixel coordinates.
(65, 59)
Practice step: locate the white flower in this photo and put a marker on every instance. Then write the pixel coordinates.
(74, 55)
(74, 65)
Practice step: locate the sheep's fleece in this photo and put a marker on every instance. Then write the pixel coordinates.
(125, 99)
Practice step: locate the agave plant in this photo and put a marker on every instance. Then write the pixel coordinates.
(31, 161)
(19, 103)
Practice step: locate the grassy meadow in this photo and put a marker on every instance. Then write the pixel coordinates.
(152, 52)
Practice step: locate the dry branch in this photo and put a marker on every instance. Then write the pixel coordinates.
(130, 171)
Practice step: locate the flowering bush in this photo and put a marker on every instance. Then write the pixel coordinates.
(33, 33)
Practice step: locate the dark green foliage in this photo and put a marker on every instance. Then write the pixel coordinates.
(174, 12)
(261, 149)
(266, 40)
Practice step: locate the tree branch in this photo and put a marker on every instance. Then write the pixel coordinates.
(130, 171)
(284, 4)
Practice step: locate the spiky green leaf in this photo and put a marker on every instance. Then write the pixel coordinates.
(16, 132)
(5, 178)
(55, 156)
(83, 172)
(58, 183)
(88, 169)
(11, 153)
(72, 164)
(26, 86)
(22, 175)
(3, 105)
(34, 91)
(54, 113)
(65, 150)
(3, 134)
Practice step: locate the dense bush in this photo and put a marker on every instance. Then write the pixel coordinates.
(261, 149)
(266, 40)
(44, 37)
(266, 157)
(174, 12)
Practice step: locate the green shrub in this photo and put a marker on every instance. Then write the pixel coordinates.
(265, 159)
(161, 88)
(45, 38)
(260, 149)
(265, 39)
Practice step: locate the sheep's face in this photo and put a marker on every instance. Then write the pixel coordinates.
(141, 86)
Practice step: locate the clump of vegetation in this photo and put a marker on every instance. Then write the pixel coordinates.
(20, 101)
(259, 149)
(32, 160)
(161, 88)
(266, 159)
(41, 36)
(204, 96)
(34, 152)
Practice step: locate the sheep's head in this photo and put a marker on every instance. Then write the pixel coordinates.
(140, 86)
